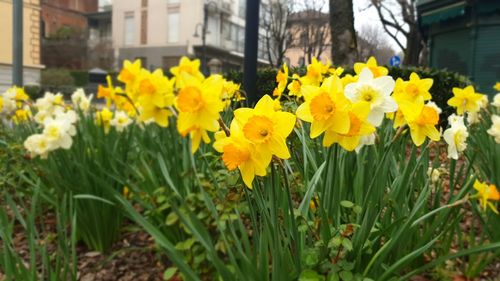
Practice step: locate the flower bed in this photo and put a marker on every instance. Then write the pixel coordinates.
(332, 178)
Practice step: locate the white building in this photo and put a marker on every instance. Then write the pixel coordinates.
(159, 32)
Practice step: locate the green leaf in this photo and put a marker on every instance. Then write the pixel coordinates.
(169, 273)
(346, 275)
(346, 204)
(172, 218)
(310, 275)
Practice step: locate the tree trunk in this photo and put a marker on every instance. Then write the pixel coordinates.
(343, 35)
(414, 47)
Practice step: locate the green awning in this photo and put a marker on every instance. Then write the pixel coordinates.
(443, 14)
(487, 8)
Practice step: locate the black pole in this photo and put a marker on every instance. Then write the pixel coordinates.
(251, 48)
(204, 40)
(17, 46)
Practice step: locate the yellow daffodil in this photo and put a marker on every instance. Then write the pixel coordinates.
(397, 117)
(487, 193)
(315, 71)
(156, 96)
(375, 91)
(198, 134)
(199, 104)
(422, 120)
(336, 71)
(282, 80)
(22, 115)
(348, 79)
(497, 86)
(230, 91)
(325, 107)
(130, 72)
(372, 65)
(103, 118)
(465, 100)
(295, 87)
(1, 104)
(358, 128)
(238, 152)
(266, 127)
(412, 89)
(112, 94)
(187, 66)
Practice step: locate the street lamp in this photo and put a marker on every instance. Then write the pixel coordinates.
(204, 33)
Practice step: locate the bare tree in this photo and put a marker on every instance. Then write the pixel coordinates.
(275, 22)
(343, 35)
(309, 29)
(400, 17)
(372, 42)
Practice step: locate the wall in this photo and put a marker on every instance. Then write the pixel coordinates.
(31, 42)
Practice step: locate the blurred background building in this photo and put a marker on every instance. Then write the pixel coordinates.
(159, 32)
(31, 40)
(463, 36)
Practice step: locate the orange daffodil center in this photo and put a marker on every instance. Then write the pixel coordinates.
(258, 129)
(190, 99)
(322, 106)
(233, 156)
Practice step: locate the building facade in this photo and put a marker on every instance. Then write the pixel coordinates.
(159, 32)
(31, 41)
(57, 14)
(309, 36)
(64, 29)
(464, 36)
(100, 52)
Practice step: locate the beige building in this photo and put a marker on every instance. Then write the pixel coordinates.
(309, 36)
(159, 32)
(31, 41)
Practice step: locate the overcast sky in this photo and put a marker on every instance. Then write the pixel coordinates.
(363, 16)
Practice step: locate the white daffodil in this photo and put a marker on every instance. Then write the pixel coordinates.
(495, 128)
(496, 101)
(120, 121)
(58, 132)
(456, 136)
(38, 145)
(472, 118)
(9, 101)
(483, 102)
(365, 140)
(376, 91)
(80, 100)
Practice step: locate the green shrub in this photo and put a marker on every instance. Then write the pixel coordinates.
(56, 78)
(33, 91)
(81, 78)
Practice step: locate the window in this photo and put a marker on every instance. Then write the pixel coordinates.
(173, 27)
(128, 26)
(144, 27)
(242, 7)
